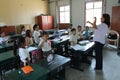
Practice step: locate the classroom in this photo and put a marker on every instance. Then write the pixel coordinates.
(59, 39)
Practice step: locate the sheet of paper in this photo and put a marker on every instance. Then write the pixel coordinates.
(77, 47)
(84, 42)
(31, 48)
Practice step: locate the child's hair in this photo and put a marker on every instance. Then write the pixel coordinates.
(86, 27)
(22, 27)
(28, 33)
(35, 26)
(56, 27)
(0, 33)
(73, 29)
(79, 26)
(20, 41)
(107, 19)
(45, 33)
(71, 25)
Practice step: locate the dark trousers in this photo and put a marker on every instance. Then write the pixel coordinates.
(99, 55)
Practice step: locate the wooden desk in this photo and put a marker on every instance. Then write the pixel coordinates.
(81, 50)
(14, 37)
(42, 70)
(56, 67)
(39, 73)
(61, 43)
(6, 47)
(8, 61)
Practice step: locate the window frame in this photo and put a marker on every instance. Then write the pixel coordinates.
(92, 8)
(63, 11)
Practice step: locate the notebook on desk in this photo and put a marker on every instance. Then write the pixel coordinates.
(27, 69)
(77, 47)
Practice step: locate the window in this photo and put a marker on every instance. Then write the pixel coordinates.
(64, 14)
(93, 9)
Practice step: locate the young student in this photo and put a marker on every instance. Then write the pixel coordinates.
(69, 29)
(99, 38)
(28, 38)
(45, 45)
(86, 33)
(36, 34)
(57, 33)
(3, 39)
(79, 32)
(23, 32)
(23, 53)
(73, 37)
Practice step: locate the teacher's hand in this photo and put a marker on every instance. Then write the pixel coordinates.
(95, 19)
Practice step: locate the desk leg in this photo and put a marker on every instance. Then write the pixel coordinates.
(62, 75)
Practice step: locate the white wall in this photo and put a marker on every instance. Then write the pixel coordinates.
(77, 7)
(78, 12)
(109, 4)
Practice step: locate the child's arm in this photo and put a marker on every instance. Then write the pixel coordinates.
(41, 43)
(27, 41)
(27, 60)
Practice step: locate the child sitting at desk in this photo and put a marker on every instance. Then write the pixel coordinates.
(23, 53)
(28, 38)
(23, 30)
(86, 33)
(57, 33)
(79, 32)
(73, 37)
(45, 45)
(36, 34)
(69, 29)
(3, 39)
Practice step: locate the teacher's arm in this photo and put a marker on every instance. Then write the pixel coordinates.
(94, 23)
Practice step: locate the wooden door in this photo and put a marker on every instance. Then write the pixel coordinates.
(115, 23)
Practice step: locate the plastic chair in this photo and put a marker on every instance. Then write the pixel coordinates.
(112, 36)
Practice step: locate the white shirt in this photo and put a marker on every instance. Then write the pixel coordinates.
(79, 34)
(4, 39)
(69, 31)
(36, 35)
(23, 53)
(46, 45)
(23, 32)
(100, 33)
(73, 38)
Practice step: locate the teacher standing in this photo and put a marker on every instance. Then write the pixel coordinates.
(99, 38)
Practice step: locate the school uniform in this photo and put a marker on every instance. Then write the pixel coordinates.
(79, 34)
(4, 39)
(73, 38)
(69, 31)
(23, 53)
(46, 48)
(86, 34)
(36, 35)
(23, 32)
(99, 39)
(57, 34)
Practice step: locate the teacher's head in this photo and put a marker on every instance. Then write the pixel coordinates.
(106, 19)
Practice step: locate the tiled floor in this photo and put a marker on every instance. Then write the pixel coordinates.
(111, 69)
